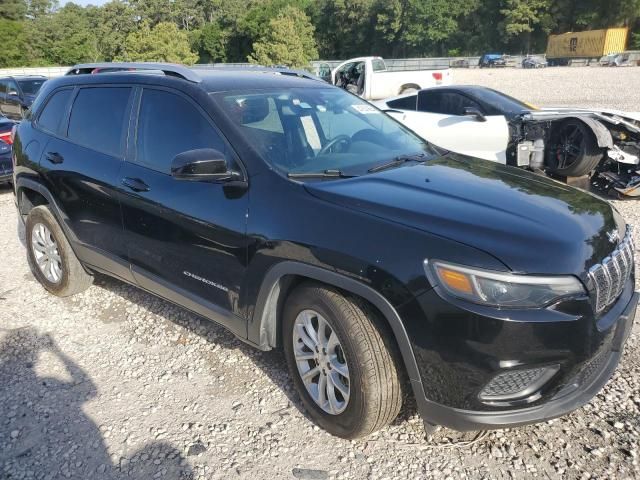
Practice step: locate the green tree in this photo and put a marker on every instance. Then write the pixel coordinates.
(417, 27)
(162, 43)
(211, 42)
(63, 38)
(345, 28)
(12, 39)
(288, 41)
(13, 9)
(113, 23)
(521, 17)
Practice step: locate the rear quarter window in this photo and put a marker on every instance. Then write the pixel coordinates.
(54, 111)
(98, 119)
(406, 103)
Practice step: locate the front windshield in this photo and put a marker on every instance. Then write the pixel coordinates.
(503, 102)
(31, 87)
(308, 130)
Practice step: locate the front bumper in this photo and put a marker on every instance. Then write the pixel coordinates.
(448, 393)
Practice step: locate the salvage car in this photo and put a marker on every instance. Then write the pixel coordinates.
(567, 142)
(369, 78)
(301, 217)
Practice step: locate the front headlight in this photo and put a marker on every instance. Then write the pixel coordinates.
(499, 289)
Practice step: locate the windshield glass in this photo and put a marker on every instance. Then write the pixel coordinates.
(31, 87)
(502, 102)
(305, 130)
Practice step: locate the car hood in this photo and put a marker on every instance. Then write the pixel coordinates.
(530, 223)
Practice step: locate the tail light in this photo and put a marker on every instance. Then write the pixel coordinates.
(437, 76)
(7, 137)
(14, 129)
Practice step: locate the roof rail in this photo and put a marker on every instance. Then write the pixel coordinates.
(169, 69)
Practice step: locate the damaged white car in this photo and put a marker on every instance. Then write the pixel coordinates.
(566, 142)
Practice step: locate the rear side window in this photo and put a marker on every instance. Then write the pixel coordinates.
(168, 125)
(54, 111)
(406, 103)
(98, 119)
(378, 65)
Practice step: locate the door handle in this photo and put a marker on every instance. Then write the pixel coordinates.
(135, 184)
(54, 157)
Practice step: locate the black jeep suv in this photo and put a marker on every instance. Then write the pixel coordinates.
(299, 216)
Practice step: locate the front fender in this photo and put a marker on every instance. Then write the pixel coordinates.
(264, 326)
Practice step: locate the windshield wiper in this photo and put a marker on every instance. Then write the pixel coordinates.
(325, 174)
(417, 157)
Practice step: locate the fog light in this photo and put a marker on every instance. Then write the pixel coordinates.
(517, 384)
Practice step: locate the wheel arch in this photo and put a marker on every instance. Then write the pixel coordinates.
(31, 193)
(409, 86)
(602, 133)
(284, 276)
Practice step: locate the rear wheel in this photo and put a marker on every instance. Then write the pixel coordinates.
(342, 361)
(575, 152)
(52, 261)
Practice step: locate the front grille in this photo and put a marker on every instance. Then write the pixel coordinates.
(609, 277)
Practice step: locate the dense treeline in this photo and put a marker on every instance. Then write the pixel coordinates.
(293, 32)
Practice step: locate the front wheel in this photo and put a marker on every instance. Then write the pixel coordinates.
(574, 151)
(342, 361)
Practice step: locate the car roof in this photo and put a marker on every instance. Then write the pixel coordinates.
(209, 79)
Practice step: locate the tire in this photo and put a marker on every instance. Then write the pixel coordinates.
(67, 275)
(374, 384)
(408, 90)
(575, 151)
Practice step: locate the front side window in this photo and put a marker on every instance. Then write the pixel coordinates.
(54, 111)
(168, 125)
(445, 103)
(3, 86)
(98, 119)
(12, 87)
(302, 130)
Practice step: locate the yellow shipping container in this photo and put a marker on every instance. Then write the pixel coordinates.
(589, 44)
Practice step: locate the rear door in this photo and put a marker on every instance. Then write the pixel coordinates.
(440, 120)
(186, 239)
(81, 164)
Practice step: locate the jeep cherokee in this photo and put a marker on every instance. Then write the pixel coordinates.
(297, 215)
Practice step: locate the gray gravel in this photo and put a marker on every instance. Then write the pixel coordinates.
(115, 383)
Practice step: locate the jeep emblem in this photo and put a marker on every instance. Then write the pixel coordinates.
(613, 236)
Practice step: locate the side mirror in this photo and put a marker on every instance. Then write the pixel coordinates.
(475, 113)
(13, 93)
(201, 165)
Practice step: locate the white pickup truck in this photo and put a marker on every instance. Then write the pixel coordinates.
(369, 78)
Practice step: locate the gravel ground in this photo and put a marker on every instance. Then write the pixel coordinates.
(115, 383)
(563, 86)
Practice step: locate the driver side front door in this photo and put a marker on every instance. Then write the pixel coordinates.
(187, 239)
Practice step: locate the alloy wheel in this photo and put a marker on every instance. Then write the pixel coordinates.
(45, 252)
(321, 362)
